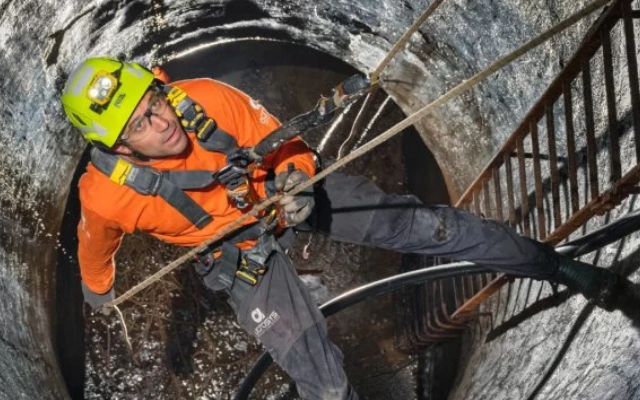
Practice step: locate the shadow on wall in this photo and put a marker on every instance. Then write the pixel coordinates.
(629, 304)
(69, 320)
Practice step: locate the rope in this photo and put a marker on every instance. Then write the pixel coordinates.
(374, 119)
(125, 332)
(403, 40)
(375, 74)
(356, 123)
(257, 209)
(456, 91)
(462, 87)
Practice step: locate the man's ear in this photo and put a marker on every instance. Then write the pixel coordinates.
(122, 149)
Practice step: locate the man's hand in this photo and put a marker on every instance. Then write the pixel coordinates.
(296, 208)
(97, 300)
(234, 171)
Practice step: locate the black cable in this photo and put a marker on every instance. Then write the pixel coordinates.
(359, 294)
(601, 237)
(597, 239)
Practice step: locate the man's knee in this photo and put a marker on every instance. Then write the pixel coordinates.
(315, 364)
(404, 223)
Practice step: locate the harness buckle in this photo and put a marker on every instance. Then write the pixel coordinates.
(205, 129)
(247, 277)
(155, 187)
(242, 193)
(152, 187)
(249, 271)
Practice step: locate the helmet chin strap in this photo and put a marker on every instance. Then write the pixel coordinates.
(139, 156)
(191, 114)
(135, 154)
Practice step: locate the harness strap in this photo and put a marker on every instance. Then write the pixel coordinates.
(194, 119)
(220, 141)
(239, 271)
(210, 137)
(234, 270)
(228, 263)
(247, 232)
(148, 181)
(190, 180)
(170, 185)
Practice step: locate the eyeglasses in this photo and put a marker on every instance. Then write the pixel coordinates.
(157, 105)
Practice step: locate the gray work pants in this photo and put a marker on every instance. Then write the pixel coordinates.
(281, 314)
(353, 209)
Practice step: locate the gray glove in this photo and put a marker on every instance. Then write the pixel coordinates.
(295, 208)
(97, 300)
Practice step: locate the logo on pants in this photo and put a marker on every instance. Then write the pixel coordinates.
(264, 323)
(257, 315)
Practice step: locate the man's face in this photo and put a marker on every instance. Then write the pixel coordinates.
(153, 130)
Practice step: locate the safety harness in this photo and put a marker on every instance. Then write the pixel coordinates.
(235, 265)
(170, 186)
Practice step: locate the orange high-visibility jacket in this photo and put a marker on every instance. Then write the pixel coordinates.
(110, 210)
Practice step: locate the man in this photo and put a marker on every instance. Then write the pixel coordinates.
(161, 164)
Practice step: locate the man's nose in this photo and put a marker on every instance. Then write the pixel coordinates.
(158, 123)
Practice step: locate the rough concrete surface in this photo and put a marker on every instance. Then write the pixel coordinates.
(42, 40)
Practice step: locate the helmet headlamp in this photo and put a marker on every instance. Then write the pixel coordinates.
(102, 87)
(101, 95)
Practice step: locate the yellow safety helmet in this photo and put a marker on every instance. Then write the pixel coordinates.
(100, 96)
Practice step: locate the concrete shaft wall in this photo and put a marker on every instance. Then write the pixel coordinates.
(41, 40)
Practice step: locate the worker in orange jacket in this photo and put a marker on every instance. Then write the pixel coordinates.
(164, 161)
(140, 145)
(110, 210)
